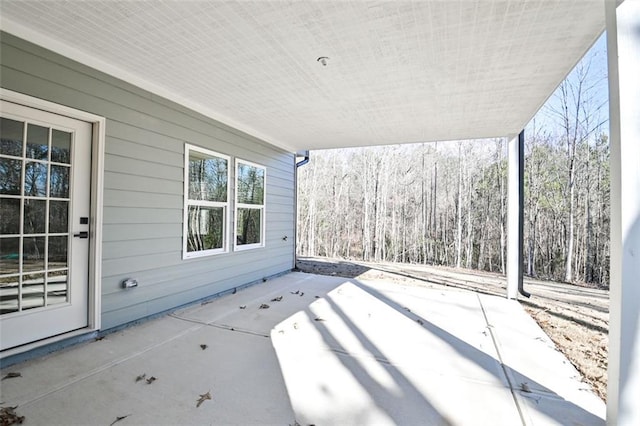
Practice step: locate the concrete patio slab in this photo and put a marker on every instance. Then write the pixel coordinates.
(331, 351)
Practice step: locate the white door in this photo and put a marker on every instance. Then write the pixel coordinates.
(45, 169)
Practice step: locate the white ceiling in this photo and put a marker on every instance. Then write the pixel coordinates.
(398, 71)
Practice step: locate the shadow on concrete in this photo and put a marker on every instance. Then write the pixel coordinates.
(461, 347)
(414, 404)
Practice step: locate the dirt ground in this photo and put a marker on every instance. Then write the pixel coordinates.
(576, 318)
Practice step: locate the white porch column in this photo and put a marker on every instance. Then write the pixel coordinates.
(623, 43)
(515, 215)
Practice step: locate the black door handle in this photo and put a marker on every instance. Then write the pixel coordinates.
(82, 234)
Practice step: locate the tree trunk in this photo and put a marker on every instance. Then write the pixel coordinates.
(469, 257)
(459, 216)
(502, 204)
(570, 232)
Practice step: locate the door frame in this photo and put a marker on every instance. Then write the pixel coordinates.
(96, 199)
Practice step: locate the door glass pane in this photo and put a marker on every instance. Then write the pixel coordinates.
(37, 142)
(32, 291)
(60, 146)
(11, 137)
(57, 287)
(10, 214)
(35, 180)
(59, 182)
(58, 247)
(35, 190)
(58, 217)
(205, 228)
(9, 255)
(35, 215)
(9, 294)
(33, 254)
(10, 176)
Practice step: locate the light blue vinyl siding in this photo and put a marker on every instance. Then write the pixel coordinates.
(143, 185)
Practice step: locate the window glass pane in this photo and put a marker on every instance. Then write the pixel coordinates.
(32, 291)
(58, 217)
(205, 228)
(10, 176)
(35, 215)
(57, 252)
(60, 146)
(207, 177)
(250, 184)
(9, 255)
(10, 214)
(35, 180)
(33, 254)
(59, 182)
(37, 142)
(11, 137)
(249, 224)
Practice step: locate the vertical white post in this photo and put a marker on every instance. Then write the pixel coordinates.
(623, 45)
(515, 197)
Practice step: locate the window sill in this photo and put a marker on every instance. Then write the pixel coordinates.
(203, 253)
(248, 247)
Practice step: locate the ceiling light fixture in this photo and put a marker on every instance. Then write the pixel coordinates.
(323, 60)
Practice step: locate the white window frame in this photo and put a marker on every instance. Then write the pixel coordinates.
(239, 205)
(203, 203)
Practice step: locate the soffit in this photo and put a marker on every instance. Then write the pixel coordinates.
(398, 71)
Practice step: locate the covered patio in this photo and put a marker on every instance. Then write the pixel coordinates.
(265, 81)
(326, 351)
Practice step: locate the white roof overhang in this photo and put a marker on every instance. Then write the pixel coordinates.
(397, 71)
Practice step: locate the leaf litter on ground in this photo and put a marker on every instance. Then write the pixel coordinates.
(12, 375)
(203, 398)
(119, 418)
(8, 416)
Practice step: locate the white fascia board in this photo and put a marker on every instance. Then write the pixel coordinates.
(84, 58)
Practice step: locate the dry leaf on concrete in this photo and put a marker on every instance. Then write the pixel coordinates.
(12, 375)
(118, 419)
(203, 398)
(8, 416)
(524, 387)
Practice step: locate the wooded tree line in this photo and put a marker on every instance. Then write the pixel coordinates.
(445, 203)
